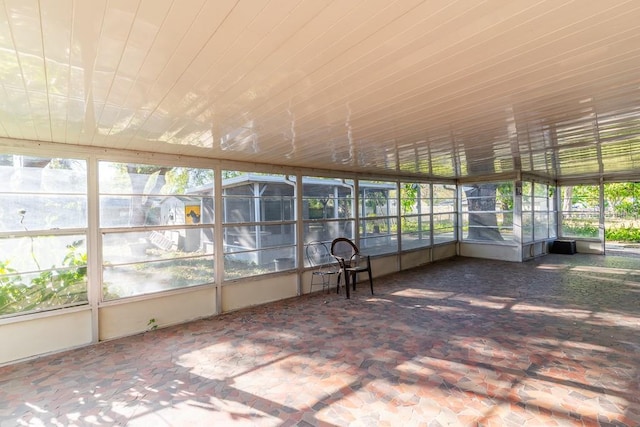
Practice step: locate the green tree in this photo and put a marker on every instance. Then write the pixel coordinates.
(375, 199)
(144, 180)
(622, 198)
(585, 196)
(409, 197)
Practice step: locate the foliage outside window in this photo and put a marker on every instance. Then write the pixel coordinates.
(378, 225)
(258, 223)
(415, 205)
(580, 211)
(444, 213)
(327, 209)
(622, 209)
(43, 220)
(487, 211)
(157, 228)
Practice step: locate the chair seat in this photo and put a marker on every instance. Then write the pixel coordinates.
(351, 261)
(325, 273)
(357, 269)
(319, 257)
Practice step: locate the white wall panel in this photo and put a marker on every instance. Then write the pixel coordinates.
(46, 334)
(258, 291)
(128, 318)
(491, 251)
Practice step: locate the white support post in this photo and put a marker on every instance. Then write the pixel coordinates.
(94, 247)
(218, 234)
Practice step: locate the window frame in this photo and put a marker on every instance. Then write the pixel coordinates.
(69, 280)
(421, 213)
(257, 259)
(188, 267)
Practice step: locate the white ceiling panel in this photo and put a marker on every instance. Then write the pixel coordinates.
(444, 89)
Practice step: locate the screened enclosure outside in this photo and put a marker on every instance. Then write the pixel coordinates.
(156, 223)
(327, 209)
(487, 211)
(445, 213)
(378, 209)
(43, 220)
(259, 223)
(580, 211)
(156, 232)
(415, 205)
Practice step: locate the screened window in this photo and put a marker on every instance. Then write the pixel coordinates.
(527, 211)
(444, 213)
(327, 209)
(487, 210)
(553, 212)
(580, 211)
(415, 206)
(538, 211)
(157, 228)
(541, 194)
(43, 220)
(622, 211)
(378, 225)
(258, 223)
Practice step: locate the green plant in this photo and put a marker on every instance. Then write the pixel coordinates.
(623, 234)
(409, 197)
(152, 324)
(51, 288)
(10, 286)
(579, 229)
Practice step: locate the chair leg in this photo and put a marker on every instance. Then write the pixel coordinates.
(347, 277)
(371, 282)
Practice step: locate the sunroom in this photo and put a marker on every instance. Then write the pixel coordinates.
(172, 163)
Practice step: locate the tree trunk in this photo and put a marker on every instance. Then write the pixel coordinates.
(140, 202)
(566, 199)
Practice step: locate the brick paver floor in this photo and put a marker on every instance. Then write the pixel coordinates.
(461, 342)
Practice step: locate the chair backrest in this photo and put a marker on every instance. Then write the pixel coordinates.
(318, 254)
(344, 248)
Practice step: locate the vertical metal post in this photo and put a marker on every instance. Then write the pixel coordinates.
(601, 227)
(298, 190)
(94, 247)
(218, 236)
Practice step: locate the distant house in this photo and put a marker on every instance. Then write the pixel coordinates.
(184, 210)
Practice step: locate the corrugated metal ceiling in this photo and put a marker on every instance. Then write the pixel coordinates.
(453, 89)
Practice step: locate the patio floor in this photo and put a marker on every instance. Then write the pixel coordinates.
(461, 342)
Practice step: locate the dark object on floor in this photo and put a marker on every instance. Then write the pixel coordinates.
(567, 247)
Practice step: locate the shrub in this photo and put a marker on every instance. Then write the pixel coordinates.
(51, 288)
(623, 234)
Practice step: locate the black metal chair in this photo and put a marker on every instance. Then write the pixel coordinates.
(351, 262)
(318, 256)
